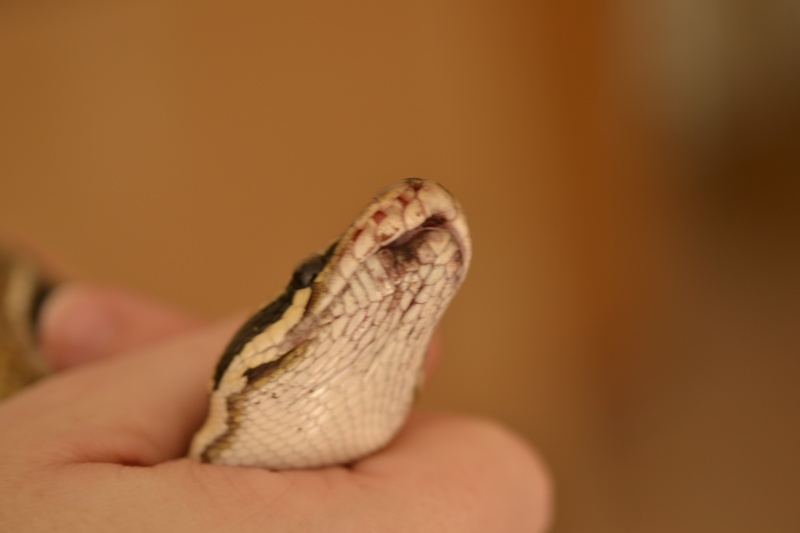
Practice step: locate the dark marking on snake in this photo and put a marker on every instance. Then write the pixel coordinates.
(303, 276)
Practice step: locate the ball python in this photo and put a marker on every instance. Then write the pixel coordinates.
(327, 372)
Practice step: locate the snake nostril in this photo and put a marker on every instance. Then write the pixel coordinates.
(434, 221)
(379, 216)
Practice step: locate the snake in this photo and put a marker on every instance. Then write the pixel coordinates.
(327, 373)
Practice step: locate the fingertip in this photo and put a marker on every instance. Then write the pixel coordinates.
(521, 465)
(82, 322)
(75, 326)
(493, 474)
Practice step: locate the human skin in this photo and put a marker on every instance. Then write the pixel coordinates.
(99, 445)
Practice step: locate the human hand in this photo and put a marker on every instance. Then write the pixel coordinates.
(99, 446)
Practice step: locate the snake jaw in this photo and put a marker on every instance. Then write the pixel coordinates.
(327, 373)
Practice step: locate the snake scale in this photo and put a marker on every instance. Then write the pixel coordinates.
(327, 372)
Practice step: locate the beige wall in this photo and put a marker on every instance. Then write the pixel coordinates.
(634, 294)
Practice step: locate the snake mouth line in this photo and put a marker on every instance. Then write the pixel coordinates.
(435, 221)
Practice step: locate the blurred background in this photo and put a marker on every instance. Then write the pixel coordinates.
(630, 170)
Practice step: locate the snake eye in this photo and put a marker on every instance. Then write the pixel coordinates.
(304, 275)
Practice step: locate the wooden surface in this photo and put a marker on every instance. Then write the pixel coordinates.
(629, 311)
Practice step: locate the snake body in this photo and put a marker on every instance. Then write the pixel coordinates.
(22, 291)
(327, 372)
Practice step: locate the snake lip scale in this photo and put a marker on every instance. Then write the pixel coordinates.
(326, 373)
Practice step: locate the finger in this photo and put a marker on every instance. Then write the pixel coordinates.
(138, 408)
(437, 458)
(82, 322)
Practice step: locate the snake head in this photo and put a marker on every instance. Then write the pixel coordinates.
(326, 373)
